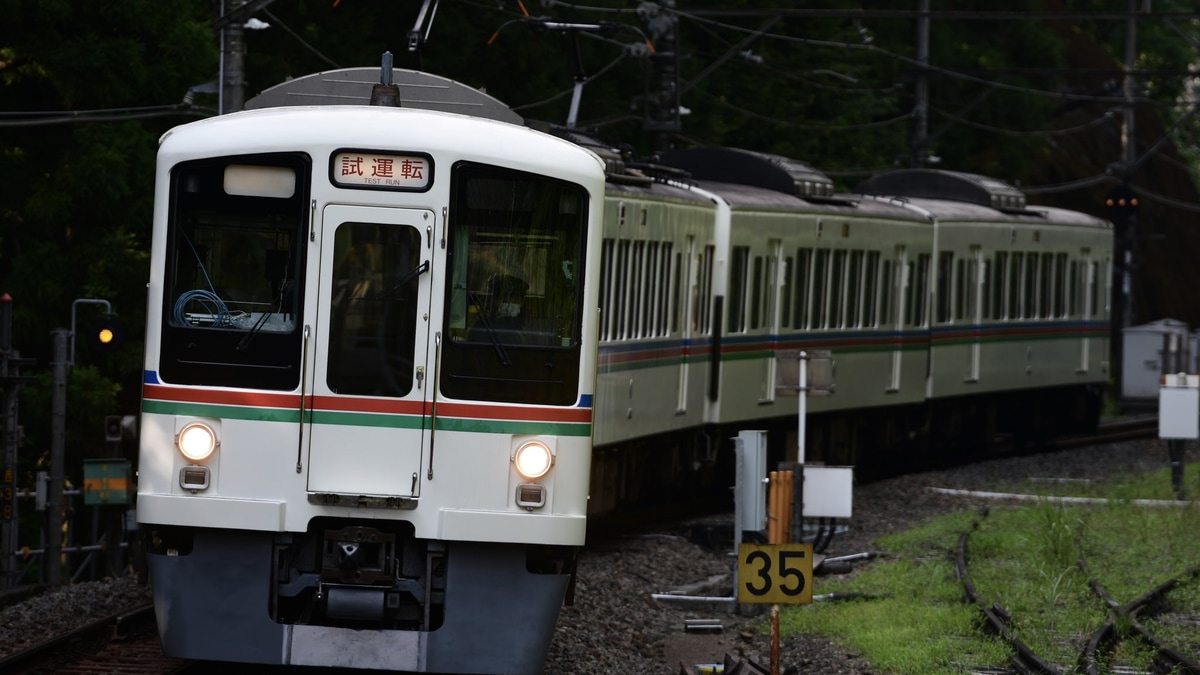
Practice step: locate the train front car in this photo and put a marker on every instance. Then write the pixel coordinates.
(368, 388)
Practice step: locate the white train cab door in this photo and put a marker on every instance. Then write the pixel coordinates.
(367, 417)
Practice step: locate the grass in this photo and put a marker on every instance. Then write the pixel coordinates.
(913, 619)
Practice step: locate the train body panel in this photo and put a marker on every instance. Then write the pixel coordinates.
(655, 355)
(1019, 300)
(789, 256)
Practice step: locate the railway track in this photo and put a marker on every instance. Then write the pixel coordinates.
(124, 643)
(1143, 426)
(1100, 651)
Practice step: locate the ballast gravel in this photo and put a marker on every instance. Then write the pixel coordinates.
(615, 624)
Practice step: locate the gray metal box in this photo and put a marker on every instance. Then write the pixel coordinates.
(1179, 407)
(1149, 352)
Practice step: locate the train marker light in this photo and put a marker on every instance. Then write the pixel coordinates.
(531, 496)
(196, 441)
(533, 460)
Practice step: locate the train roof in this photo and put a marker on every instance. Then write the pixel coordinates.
(354, 86)
(746, 167)
(956, 195)
(327, 129)
(742, 196)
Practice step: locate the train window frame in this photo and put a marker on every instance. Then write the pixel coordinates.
(374, 297)
(505, 223)
(262, 352)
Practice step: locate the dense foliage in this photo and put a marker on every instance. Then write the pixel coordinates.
(87, 88)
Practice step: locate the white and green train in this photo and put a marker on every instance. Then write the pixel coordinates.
(396, 356)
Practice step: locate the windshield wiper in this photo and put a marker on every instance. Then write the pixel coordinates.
(412, 274)
(501, 353)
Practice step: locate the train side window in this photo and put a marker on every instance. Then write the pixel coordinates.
(706, 272)
(970, 286)
(622, 291)
(637, 290)
(1029, 284)
(960, 289)
(943, 288)
(985, 293)
(669, 311)
(870, 316)
(606, 281)
(1073, 290)
(1045, 286)
(999, 274)
(1060, 285)
(738, 272)
(888, 287)
(803, 278)
(922, 290)
(756, 293)
(819, 319)
(836, 307)
(1015, 272)
(854, 289)
(786, 308)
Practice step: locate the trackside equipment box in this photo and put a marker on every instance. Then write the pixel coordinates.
(1179, 406)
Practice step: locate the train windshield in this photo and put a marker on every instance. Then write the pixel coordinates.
(234, 255)
(513, 297)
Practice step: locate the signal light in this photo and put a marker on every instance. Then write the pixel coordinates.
(1122, 202)
(107, 335)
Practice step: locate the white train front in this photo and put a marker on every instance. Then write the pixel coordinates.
(352, 454)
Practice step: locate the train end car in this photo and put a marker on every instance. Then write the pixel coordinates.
(369, 380)
(1020, 303)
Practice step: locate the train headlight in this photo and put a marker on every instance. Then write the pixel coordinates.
(196, 441)
(533, 459)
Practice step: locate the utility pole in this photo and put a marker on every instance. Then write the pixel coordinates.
(1128, 232)
(661, 110)
(12, 381)
(58, 444)
(920, 153)
(233, 59)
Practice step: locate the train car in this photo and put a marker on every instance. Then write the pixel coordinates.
(397, 355)
(369, 380)
(1020, 307)
(954, 312)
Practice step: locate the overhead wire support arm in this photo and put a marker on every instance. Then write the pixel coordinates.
(574, 29)
(419, 34)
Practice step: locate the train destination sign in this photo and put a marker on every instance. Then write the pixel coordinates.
(355, 169)
(775, 573)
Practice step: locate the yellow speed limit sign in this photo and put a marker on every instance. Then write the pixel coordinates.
(775, 573)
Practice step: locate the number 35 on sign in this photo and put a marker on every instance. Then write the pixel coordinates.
(775, 573)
